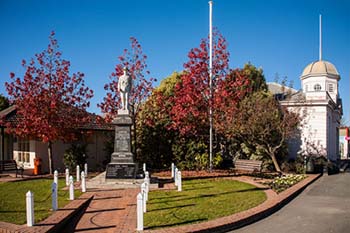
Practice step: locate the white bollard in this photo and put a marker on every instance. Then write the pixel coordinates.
(30, 208)
(146, 191)
(172, 170)
(179, 182)
(54, 187)
(67, 176)
(55, 177)
(86, 170)
(176, 178)
(139, 212)
(147, 179)
(78, 173)
(71, 188)
(144, 167)
(143, 192)
(83, 182)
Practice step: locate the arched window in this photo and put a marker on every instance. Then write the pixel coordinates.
(317, 87)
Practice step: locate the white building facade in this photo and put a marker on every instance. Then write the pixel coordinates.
(320, 107)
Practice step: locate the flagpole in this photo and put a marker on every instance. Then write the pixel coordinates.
(320, 43)
(210, 86)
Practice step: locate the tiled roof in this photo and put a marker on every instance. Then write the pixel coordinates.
(96, 122)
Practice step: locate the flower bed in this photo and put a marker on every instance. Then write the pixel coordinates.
(280, 184)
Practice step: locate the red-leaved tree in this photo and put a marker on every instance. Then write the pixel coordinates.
(51, 103)
(191, 99)
(135, 61)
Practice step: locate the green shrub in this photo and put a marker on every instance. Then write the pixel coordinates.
(75, 155)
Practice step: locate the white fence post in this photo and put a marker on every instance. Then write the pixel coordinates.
(54, 187)
(176, 178)
(144, 167)
(179, 182)
(55, 177)
(71, 188)
(147, 179)
(83, 182)
(139, 212)
(143, 191)
(172, 170)
(30, 208)
(78, 173)
(67, 176)
(86, 170)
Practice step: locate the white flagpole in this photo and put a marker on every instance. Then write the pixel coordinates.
(210, 85)
(320, 45)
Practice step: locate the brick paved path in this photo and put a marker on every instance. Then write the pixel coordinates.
(109, 211)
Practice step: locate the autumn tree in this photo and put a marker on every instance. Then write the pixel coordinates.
(135, 61)
(50, 101)
(263, 123)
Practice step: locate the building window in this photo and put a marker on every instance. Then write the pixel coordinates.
(317, 87)
(23, 150)
(330, 87)
(306, 87)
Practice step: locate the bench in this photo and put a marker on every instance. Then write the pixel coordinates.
(250, 166)
(10, 165)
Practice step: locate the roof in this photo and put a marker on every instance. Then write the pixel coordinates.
(276, 88)
(320, 68)
(10, 115)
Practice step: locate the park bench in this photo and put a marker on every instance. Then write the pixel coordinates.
(10, 165)
(247, 166)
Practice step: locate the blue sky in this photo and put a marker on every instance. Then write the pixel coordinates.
(279, 36)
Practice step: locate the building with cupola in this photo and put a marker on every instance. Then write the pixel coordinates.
(320, 107)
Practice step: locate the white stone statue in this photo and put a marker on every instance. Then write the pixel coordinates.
(124, 87)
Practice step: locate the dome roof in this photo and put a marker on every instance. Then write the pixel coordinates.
(320, 68)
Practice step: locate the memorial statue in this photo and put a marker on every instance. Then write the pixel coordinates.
(124, 87)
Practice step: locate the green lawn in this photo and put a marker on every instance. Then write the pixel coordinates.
(13, 199)
(200, 200)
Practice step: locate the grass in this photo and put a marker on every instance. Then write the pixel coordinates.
(13, 199)
(200, 200)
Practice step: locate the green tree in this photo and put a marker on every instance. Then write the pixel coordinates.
(263, 124)
(154, 134)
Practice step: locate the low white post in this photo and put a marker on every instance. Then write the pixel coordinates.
(139, 212)
(143, 191)
(86, 170)
(54, 187)
(172, 170)
(176, 178)
(55, 177)
(147, 179)
(67, 176)
(179, 182)
(83, 182)
(71, 188)
(30, 208)
(144, 167)
(78, 173)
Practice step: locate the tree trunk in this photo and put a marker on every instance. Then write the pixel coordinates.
(49, 150)
(275, 163)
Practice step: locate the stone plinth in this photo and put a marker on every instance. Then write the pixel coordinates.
(122, 165)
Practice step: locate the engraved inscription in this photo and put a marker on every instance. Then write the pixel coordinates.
(120, 171)
(122, 141)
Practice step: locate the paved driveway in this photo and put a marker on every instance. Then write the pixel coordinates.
(322, 208)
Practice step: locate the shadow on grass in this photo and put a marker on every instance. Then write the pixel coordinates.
(178, 223)
(189, 189)
(173, 207)
(209, 195)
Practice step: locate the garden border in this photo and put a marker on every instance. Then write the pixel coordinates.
(273, 203)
